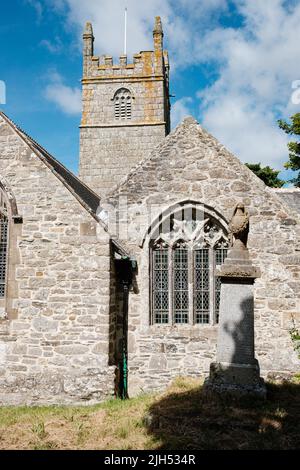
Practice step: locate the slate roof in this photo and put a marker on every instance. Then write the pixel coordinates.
(86, 196)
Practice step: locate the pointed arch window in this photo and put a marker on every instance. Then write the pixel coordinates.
(184, 261)
(3, 243)
(123, 104)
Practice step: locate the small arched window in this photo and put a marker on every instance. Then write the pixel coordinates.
(3, 242)
(185, 254)
(123, 104)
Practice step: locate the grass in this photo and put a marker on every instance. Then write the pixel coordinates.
(182, 418)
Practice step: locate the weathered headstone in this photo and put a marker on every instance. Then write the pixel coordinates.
(236, 370)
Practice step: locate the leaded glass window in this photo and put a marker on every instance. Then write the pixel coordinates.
(184, 259)
(123, 101)
(202, 285)
(160, 290)
(180, 284)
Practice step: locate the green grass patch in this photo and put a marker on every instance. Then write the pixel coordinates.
(180, 418)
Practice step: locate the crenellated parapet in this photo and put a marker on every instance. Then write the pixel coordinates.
(125, 109)
(146, 64)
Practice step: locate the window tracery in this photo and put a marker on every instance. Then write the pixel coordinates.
(184, 260)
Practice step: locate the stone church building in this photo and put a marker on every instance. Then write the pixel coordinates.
(107, 280)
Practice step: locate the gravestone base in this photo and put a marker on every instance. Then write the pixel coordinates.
(239, 380)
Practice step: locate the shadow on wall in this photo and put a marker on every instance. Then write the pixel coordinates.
(187, 420)
(242, 334)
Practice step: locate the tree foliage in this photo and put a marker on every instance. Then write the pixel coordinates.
(294, 147)
(267, 174)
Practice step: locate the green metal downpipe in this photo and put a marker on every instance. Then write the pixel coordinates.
(125, 268)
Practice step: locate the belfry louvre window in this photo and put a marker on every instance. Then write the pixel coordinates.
(123, 104)
(184, 258)
(3, 243)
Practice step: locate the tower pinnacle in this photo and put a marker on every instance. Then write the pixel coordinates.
(125, 110)
(158, 34)
(88, 29)
(88, 46)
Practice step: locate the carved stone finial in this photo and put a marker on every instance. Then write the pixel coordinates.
(158, 34)
(239, 227)
(158, 26)
(88, 48)
(238, 264)
(88, 31)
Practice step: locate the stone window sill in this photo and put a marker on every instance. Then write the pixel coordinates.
(184, 326)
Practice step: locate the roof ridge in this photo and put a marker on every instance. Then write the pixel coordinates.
(167, 142)
(89, 199)
(140, 163)
(292, 189)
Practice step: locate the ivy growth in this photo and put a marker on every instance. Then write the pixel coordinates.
(295, 336)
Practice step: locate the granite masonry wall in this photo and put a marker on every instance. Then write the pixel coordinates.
(108, 154)
(290, 196)
(110, 147)
(54, 345)
(60, 342)
(191, 165)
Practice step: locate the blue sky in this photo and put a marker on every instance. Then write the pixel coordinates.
(233, 65)
(27, 65)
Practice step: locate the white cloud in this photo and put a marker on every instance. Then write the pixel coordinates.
(256, 61)
(180, 109)
(66, 98)
(257, 65)
(181, 20)
(107, 17)
(246, 130)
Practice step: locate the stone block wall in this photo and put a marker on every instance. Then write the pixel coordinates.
(54, 347)
(110, 147)
(190, 165)
(108, 154)
(290, 196)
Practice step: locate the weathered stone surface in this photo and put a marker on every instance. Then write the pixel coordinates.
(110, 147)
(236, 380)
(55, 298)
(236, 370)
(59, 342)
(43, 324)
(158, 362)
(236, 329)
(290, 196)
(273, 250)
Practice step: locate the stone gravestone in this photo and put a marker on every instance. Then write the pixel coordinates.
(236, 370)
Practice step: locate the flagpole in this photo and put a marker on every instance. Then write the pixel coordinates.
(125, 33)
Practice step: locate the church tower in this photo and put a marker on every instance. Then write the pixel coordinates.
(126, 110)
